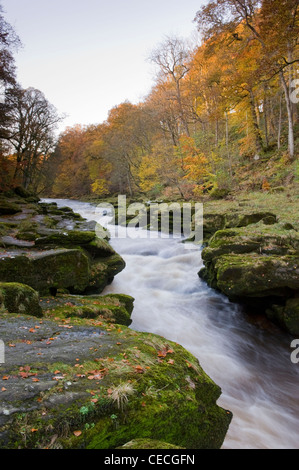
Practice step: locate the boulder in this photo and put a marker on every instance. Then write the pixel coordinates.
(47, 270)
(19, 298)
(256, 265)
(91, 383)
(49, 249)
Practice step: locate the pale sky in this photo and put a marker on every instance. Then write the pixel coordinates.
(88, 56)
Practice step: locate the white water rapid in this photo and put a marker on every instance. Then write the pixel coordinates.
(250, 362)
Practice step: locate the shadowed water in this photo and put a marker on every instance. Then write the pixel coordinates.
(249, 360)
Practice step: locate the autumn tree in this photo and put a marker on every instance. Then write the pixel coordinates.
(171, 57)
(271, 24)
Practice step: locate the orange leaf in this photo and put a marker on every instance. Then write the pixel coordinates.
(34, 430)
(161, 353)
(77, 433)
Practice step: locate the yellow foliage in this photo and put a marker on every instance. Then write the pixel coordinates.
(100, 187)
(148, 173)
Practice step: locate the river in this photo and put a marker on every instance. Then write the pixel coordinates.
(249, 360)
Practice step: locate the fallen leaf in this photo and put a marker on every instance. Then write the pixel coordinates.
(77, 433)
(139, 369)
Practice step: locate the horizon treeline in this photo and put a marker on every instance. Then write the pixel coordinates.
(215, 111)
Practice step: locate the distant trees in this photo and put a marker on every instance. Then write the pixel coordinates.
(212, 110)
(31, 133)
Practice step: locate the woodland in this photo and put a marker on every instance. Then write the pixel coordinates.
(221, 116)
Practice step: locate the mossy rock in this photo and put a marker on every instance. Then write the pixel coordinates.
(148, 444)
(287, 316)
(19, 298)
(9, 208)
(257, 238)
(239, 276)
(115, 308)
(112, 385)
(66, 238)
(42, 271)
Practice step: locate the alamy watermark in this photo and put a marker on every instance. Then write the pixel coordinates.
(152, 220)
(295, 353)
(294, 95)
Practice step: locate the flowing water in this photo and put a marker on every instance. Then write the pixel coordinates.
(249, 360)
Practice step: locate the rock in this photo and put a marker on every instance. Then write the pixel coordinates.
(19, 298)
(116, 308)
(52, 249)
(91, 383)
(287, 316)
(57, 268)
(148, 444)
(8, 208)
(239, 276)
(255, 265)
(233, 218)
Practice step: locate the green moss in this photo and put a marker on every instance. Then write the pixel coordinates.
(148, 444)
(66, 238)
(8, 207)
(19, 298)
(115, 308)
(138, 386)
(45, 270)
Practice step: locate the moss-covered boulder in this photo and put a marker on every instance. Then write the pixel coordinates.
(287, 316)
(240, 276)
(93, 383)
(9, 207)
(258, 262)
(49, 249)
(220, 219)
(19, 298)
(43, 271)
(114, 308)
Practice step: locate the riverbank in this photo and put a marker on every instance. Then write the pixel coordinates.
(74, 374)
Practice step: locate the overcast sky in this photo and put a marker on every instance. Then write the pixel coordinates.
(87, 56)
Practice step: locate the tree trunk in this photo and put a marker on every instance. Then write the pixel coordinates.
(266, 117)
(256, 129)
(290, 116)
(279, 124)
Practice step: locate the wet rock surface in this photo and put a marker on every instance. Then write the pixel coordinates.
(254, 259)
(73, 382)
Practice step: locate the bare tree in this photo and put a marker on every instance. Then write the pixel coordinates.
(31, 133)
(172, 56)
